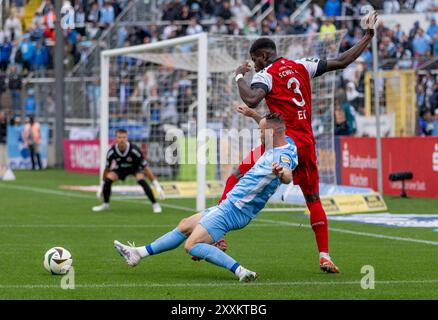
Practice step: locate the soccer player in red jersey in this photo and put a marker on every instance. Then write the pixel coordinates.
(286, 87)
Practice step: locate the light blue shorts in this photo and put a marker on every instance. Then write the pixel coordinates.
(220, 219)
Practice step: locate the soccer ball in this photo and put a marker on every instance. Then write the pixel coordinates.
(58, 260)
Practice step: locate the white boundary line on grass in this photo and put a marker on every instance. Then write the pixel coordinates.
(217, 285)
(357, 233)
(275, 222)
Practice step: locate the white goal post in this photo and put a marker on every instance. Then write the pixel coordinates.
(201, 40)
(188, 82)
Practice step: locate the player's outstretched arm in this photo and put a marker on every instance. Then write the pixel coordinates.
(251, 97)
(353, 53)
(284, 174)
(250, 113)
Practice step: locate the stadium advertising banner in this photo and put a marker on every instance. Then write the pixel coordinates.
(18, 152)
(418, 155)
(82, 156)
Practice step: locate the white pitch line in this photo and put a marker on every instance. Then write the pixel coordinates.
(357, 233)
(218, 285)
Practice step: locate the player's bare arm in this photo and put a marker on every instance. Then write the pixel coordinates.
(251, 97)
(353, 53)
(250, 113)
(284, 174)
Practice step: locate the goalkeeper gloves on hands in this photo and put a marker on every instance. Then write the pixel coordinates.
(159, 190)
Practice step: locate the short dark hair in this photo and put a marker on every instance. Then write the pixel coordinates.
(276, 119)
(122, 131)
(261, 44)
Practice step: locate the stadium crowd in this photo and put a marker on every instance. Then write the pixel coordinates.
(25, 49)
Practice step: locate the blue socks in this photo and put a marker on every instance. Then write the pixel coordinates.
(167, 242)
(214, 255)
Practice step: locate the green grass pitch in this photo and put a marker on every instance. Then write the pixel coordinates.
(36, 215)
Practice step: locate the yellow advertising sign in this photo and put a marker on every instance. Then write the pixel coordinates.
(352, 203)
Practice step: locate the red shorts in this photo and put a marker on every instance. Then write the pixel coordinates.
(305, 174)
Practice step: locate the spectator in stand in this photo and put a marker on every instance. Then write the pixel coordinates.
(328, 29)
(194, 27)
(426, 123)
(421, 97)
(421, 44)
(332, 8)
(426, 6)
(391, 6)
(80, 19)
(27, 49)
(388, 48)
(107, 15)
(433, 99)
(40, 60)
(13, 28)
(15, 84)
(184, 14)
(216, 8)
(219, 27)
(30, 106)
(398, 33)
(195, 11)
(341, 124)
(170, 11)
(5, 54)
(225, 13)
(169, 29)
(433, 27)
(38, 18)
(435, 44)
(234, 29)
(94, 14)
(240, 13)
(19, 6)
(50, 16)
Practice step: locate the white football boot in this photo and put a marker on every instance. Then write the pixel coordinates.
(156, 208)
(102, 207)
(245, 275)
(130, 253)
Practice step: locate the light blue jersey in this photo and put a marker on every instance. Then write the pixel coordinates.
(250, 195)
(254, 189)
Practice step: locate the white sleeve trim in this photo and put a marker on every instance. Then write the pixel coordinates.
(311, 65)
(263, 77)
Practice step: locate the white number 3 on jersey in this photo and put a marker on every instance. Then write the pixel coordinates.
(297, 91)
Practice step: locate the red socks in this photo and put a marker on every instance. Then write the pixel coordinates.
(318, 221)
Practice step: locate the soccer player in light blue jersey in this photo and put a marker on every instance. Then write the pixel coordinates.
(243, 203)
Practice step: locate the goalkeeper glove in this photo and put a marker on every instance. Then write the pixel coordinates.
(159, 190)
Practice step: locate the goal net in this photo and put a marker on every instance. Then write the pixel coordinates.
(177, 99)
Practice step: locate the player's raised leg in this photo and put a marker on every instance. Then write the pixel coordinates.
(109, 179)
(168, 241)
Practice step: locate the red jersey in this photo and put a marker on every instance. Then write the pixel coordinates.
(288, 91)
